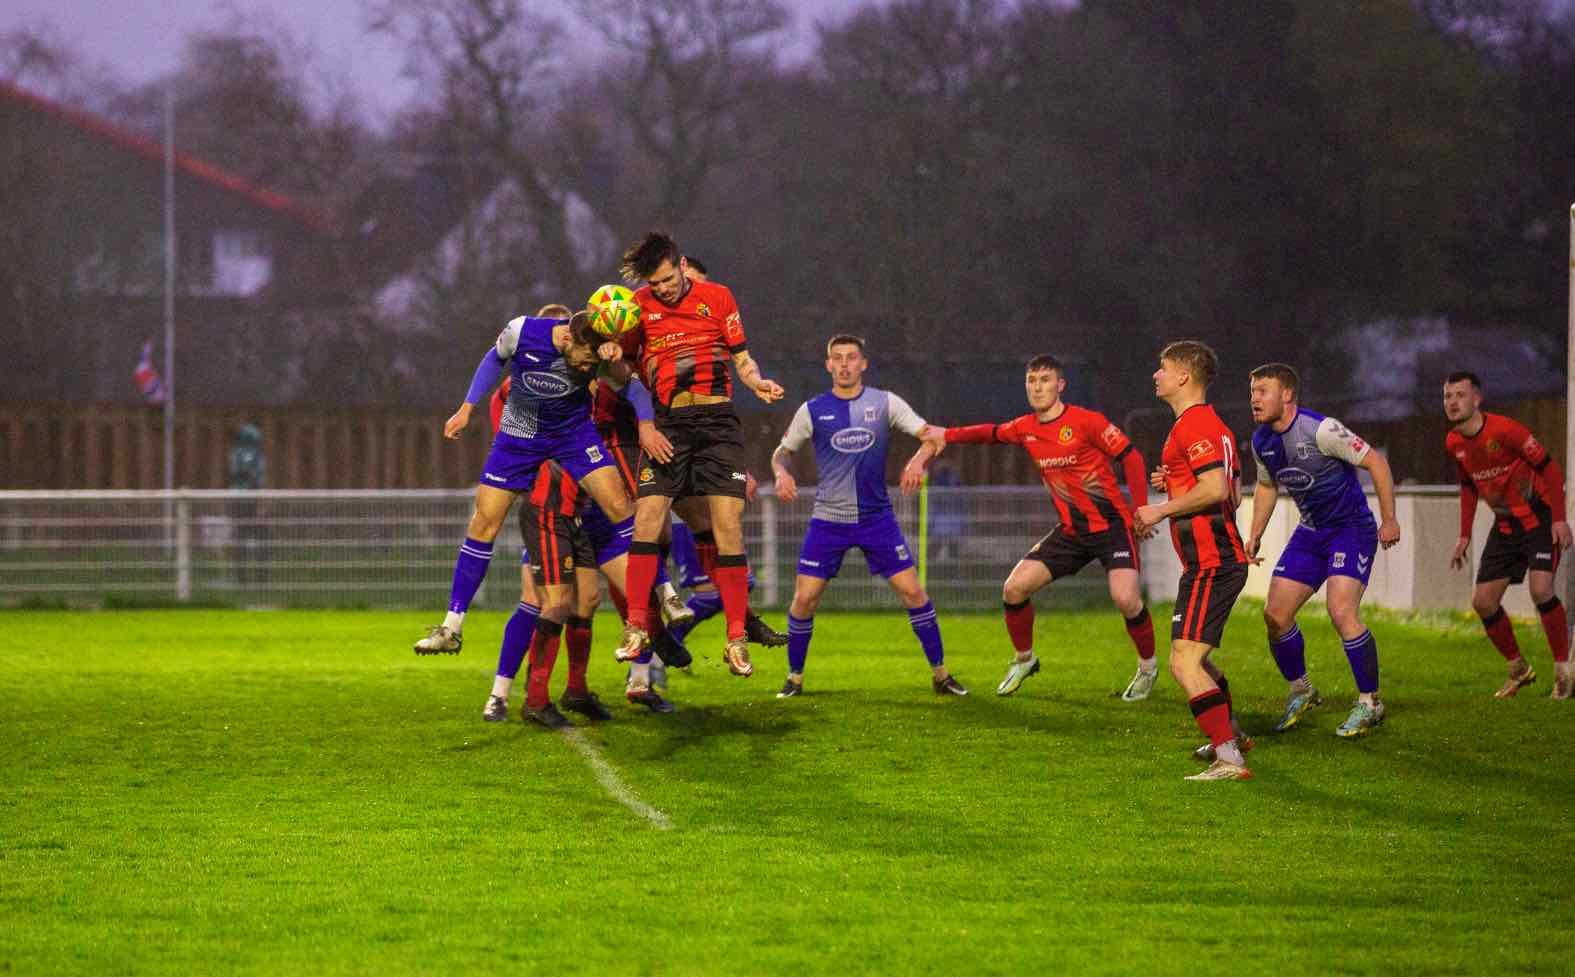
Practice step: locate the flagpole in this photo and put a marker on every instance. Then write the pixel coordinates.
(169, 286)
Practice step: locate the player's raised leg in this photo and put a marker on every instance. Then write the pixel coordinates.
(732, 578)
(1285, 600)
(470, 568)
(1027, 578)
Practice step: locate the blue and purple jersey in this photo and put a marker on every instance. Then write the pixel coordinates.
(851, 437)
(1315, 461)
(546, 396)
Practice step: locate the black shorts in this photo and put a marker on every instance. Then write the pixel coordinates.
(626, 458)
(1204, 601)
(1064, 553)
(1507, 556)
(708, 454)
(556, 544)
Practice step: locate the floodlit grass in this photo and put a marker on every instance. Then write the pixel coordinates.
(295, 792)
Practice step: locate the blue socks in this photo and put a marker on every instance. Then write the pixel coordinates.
(800, 630)
(706, 604)
(516, 638)
(469, 570)
(1290, 653)
(1363, 655)
(927, 629)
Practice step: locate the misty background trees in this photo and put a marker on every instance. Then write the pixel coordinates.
(965, 182)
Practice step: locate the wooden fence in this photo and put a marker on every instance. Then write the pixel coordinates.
(46, 446)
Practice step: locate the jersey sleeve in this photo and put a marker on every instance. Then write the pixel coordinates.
(1264, 478)
(1100, 431)
(903, 417)
(1338, 441)
(509, 339)
(799, 430)
(1528, 446)
(1203, 447)
(733, 325)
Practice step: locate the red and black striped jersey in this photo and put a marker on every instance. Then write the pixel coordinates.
(616, 420)
(1074, 451)
(1200, 442)
(688, 346)
(1511, 471)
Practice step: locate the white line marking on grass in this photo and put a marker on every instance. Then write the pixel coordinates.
(611, 782)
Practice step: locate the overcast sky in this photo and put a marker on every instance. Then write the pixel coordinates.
(139, 39)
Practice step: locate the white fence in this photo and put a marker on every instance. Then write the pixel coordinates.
(397, 548)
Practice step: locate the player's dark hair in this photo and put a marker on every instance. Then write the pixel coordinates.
(1282, 372)
(1196, 357)
(1044, 361)
(844, 339)
(581, 332)
(641, 261)
(1460, 375)
(696, 264)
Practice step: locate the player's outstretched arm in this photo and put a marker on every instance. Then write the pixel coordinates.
(786, 484)
(488, 372)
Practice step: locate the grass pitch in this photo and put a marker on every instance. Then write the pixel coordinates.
(190, 792)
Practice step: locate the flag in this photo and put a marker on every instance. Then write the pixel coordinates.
(147, 378)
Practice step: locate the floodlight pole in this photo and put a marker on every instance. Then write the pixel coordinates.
(169, 287)
(1569, 403)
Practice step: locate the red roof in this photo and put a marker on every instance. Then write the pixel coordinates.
(149, 149)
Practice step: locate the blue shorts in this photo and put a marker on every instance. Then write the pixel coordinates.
(513, 462)
(601, 532)
(1314, 555)
(826, 543)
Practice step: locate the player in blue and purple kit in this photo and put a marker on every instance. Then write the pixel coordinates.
(851, 429)
(1314, 458)
(551, 362)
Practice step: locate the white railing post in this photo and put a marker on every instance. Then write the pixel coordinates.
(768, 547)
(182, 548)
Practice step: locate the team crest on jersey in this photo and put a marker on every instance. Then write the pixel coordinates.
(646, 475)
(1066, 433)
(568, 563)
(1492, 445)
(1338, 562)
(704, 310)
(594, 452)
(902, 552)
(1304, 450)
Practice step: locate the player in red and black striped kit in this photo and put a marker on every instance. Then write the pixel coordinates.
(1503, 464)
(1201, 473)
(1074, 449)
(690, 338)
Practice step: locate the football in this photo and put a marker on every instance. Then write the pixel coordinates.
(614, 309)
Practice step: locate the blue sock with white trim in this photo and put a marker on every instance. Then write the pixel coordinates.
(516, 639)
(800, 630)
(469, 570)
(1362, 651)
(928, 630)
